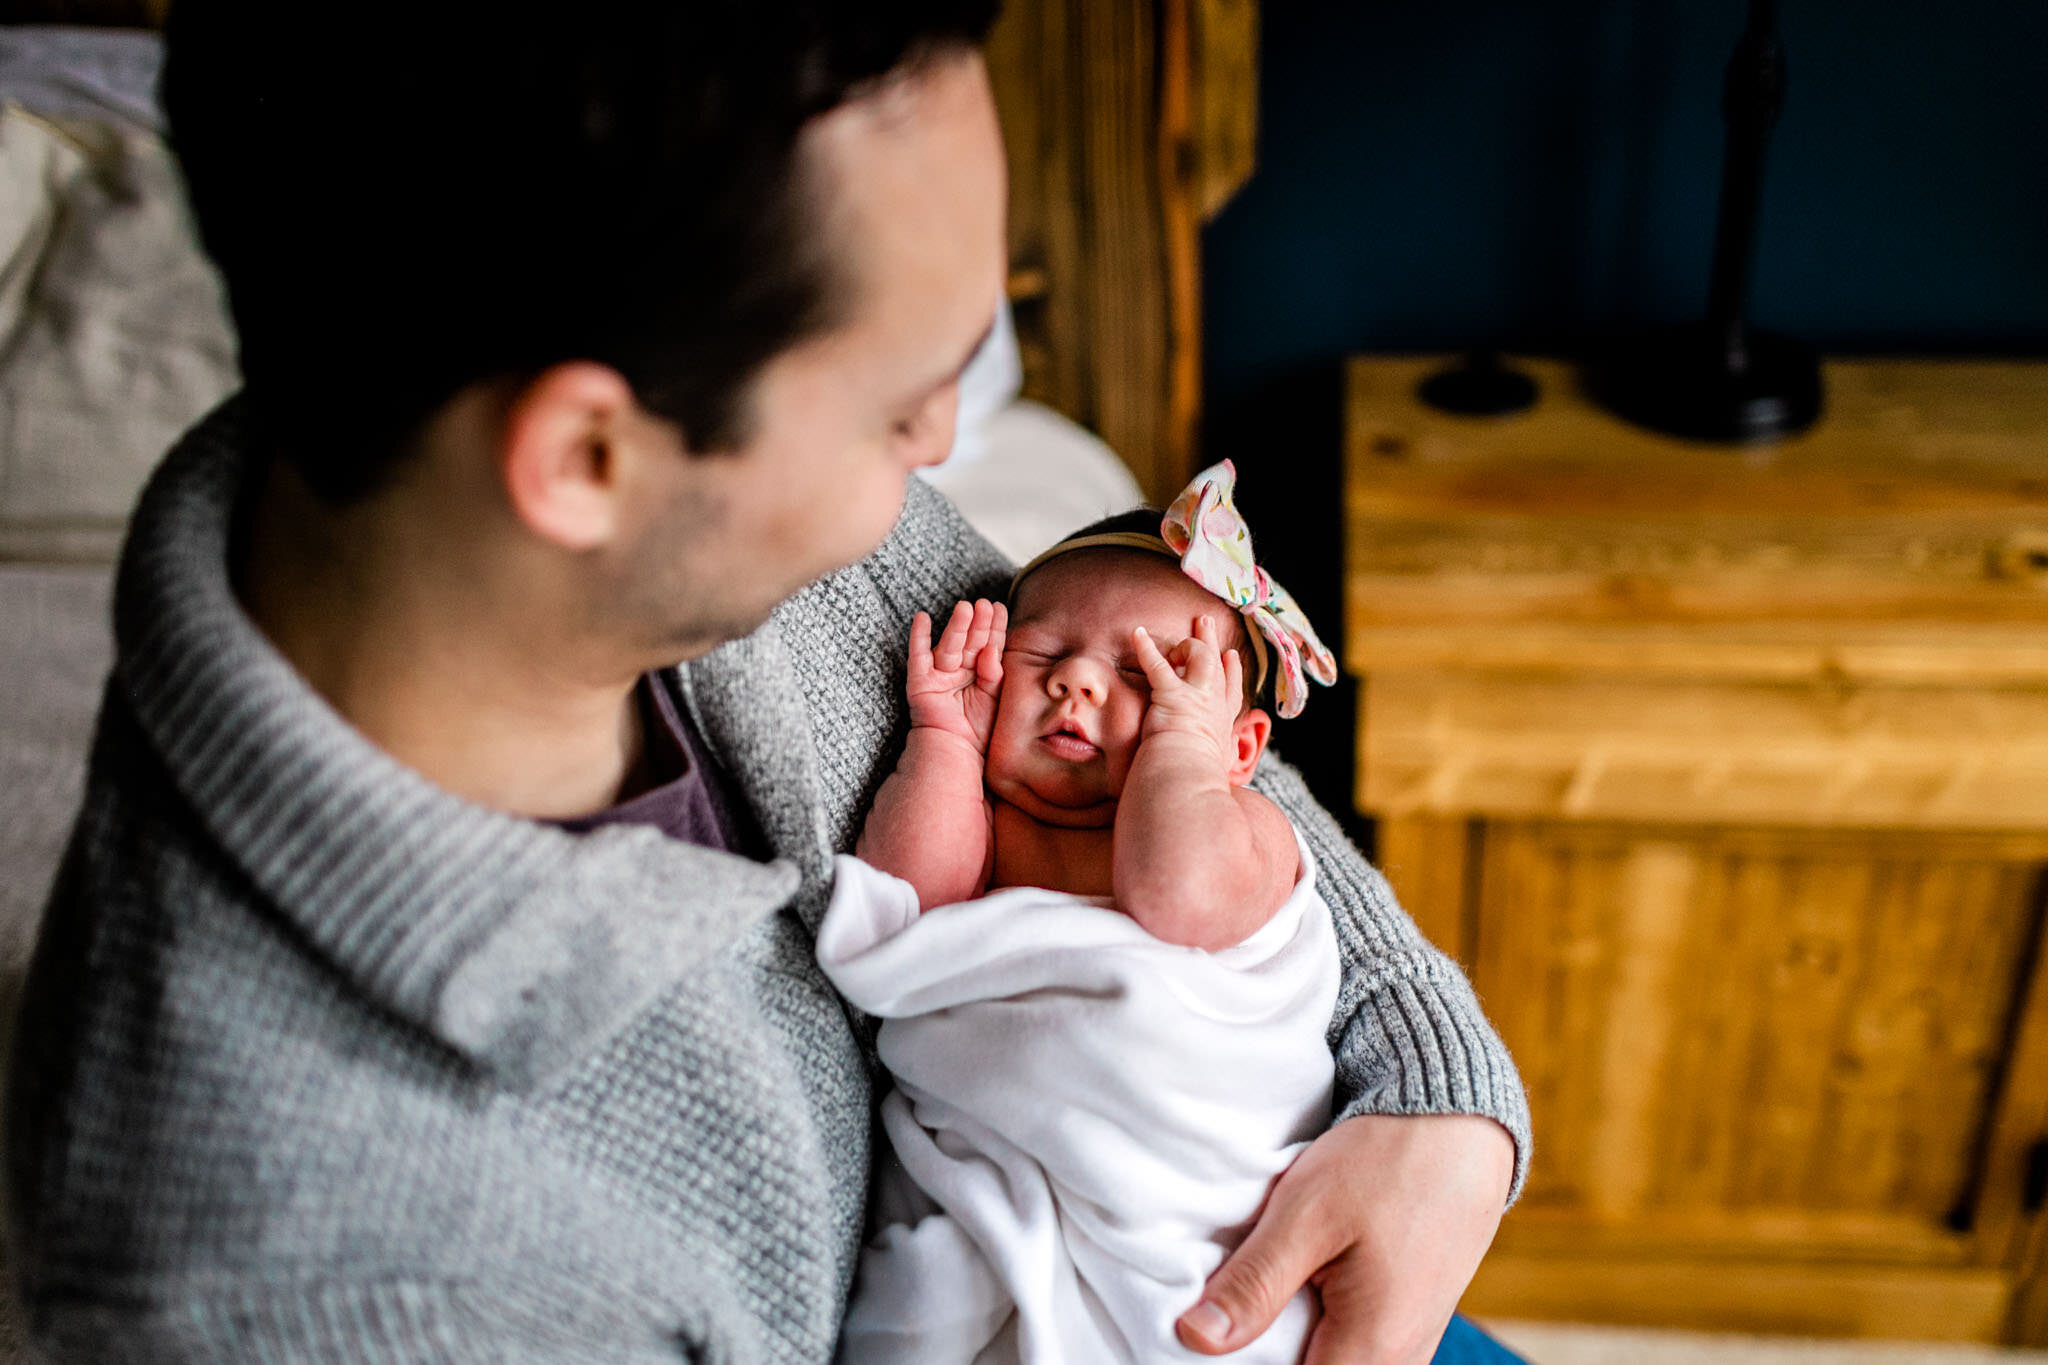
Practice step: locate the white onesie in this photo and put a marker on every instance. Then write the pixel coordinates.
(1085, 1118)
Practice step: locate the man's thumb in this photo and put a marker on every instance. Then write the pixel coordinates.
(1245, 1294)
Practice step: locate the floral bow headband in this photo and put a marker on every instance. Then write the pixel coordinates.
(1204, 530)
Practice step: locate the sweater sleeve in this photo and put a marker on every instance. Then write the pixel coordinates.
(1408, 1033)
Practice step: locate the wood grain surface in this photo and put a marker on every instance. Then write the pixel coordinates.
(1920, 502)
(1724, 771)
(1127, 125)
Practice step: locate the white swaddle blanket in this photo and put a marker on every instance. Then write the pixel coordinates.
(1086, 1118)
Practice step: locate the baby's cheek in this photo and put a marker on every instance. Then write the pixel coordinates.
(1021, 683)
(1003, 735)
(1125, 728)
(1008, 698)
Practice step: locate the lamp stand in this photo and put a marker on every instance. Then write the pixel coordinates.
(1723, 380)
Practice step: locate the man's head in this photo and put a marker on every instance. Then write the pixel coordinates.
(1074, 696)
(703, 273)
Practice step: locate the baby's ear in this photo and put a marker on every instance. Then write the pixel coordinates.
(1249, 734)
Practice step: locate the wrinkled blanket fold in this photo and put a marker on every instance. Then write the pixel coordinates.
(1085, 1119)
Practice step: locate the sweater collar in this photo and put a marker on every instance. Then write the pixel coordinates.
(520, 946)
(748, 707)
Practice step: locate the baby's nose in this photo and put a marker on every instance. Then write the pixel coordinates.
(1078, 678)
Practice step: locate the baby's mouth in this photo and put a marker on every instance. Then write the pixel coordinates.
(1067, 740)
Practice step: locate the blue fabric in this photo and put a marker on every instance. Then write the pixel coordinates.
(1465, 1344)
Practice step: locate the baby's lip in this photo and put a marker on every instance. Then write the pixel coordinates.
(1070, 736)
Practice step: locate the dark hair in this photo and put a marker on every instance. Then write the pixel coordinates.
(405, 199)
(1144, 521)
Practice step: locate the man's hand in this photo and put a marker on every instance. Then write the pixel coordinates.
(1388, 1216)
(953, 688)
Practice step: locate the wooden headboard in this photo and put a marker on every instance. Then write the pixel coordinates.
(1129, 124)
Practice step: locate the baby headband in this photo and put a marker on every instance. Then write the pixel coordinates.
(1203, 530)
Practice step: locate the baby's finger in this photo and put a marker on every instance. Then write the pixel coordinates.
(1204, 665)
(1182, 656)
(1233, 674)
(989, 668)
(947, 656)
(1158, 669)
(920, 642)
(977, 631)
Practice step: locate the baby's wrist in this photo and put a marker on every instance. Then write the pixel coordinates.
(944, 720)
(1186, 757)
(1190, 732)
(942, 743)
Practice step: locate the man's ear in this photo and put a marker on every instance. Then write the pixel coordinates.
(559, 457)
(1249, 734)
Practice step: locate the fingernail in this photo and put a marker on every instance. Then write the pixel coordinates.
(1208, 1322)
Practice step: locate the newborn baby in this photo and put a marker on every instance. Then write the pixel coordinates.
(1103, 969)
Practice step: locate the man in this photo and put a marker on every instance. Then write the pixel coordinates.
(429, 976)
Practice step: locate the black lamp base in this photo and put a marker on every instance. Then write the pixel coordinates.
(1691, 382)
(1479, 386)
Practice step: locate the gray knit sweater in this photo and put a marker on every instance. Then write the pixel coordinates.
(320, 1063)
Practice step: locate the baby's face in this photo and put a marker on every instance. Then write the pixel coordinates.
(1074, 698)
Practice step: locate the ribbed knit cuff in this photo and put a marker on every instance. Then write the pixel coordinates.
(1423, 1047)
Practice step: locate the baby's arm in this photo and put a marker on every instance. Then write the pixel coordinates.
(1198, 858)
(930, 821)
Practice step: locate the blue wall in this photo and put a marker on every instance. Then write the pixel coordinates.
(1536, 172)
(1436, 175)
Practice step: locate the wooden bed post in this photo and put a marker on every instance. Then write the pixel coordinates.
(1128, 123)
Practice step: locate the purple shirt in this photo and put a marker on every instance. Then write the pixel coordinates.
(689, 800)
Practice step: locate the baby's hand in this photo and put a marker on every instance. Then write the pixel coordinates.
(953, 688)
(1197, 692)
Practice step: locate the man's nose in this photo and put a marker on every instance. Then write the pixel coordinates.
(937, 425)
(1081, 678)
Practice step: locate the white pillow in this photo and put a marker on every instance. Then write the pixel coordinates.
(114, 334)
(1038, 477)
(101, 74)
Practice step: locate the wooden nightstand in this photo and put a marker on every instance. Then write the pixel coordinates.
(1725, 774)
